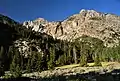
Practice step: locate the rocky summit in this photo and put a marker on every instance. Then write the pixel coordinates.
(103, 26)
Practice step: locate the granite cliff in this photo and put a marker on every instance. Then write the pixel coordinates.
(103, 26)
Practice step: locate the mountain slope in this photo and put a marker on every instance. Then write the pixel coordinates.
(39, 45)
(105, 27)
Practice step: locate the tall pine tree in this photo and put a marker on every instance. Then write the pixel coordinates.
(51, 62)
(15, 66)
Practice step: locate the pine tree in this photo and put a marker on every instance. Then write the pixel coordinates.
(33, 61)
(65, 57)
(97, 61)
(18, 72)
(28, 66)
(83, 57)
(15, 67)
(69, 55)
(83, 60)
(60, 61)
(38, 63)
(97, 57)
(51, 62)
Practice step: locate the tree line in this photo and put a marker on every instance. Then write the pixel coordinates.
(54, 52)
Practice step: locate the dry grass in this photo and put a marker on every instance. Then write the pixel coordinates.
(108, 63)
(68, 66)
(89, 64)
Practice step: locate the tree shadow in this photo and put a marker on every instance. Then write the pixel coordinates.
(91, 76)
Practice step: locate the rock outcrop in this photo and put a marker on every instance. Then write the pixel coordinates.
(88, 22)
(26, 47)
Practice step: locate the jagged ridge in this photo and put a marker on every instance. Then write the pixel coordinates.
(103, 26)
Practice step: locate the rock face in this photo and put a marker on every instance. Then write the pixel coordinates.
(36, 25)
(88, 22)
(26, 47)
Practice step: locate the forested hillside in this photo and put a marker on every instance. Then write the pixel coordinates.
(23, 50)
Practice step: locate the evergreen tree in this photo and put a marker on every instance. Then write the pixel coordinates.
(33, 61)
(97, 61)
(15, 67)
(18, 71)
(83, 57)
(28, 66)
(83, 60)
(38, 63)
(69, 55)
(51, 62)
(60, 61)
(65, 54)
(97, 57)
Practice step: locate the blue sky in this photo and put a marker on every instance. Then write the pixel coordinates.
(54, 10)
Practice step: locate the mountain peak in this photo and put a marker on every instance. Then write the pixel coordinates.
(40, 19)
(89, 11)
(87, 22)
